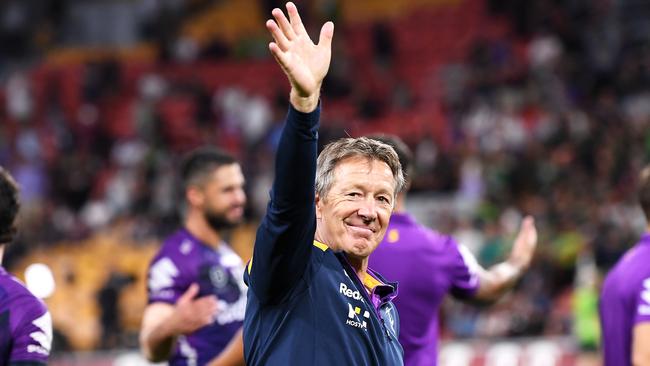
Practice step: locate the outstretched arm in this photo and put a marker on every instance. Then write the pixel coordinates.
(641, 330)
(640, 342)
(496, 281)
(284, 238)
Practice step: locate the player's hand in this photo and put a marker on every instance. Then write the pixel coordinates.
(192, 313)
(304, 63)
(525, 244)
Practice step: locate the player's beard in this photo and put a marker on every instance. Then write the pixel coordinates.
(219, 221)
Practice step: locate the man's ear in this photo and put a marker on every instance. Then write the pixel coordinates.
(319, 204)
(194, 196)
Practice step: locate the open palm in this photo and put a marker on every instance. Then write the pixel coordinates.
(305, 63)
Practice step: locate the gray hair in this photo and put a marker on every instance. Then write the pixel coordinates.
(345, 148)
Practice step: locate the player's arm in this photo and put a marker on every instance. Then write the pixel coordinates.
(641, 330)
(284, 238)
(162, 323)
(500, 278)
(641, 344)
(32, 336)
(233, 354)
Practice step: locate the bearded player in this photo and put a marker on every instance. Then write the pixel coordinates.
(197, 297)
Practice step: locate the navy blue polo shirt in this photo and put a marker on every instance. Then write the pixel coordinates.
(306, 304)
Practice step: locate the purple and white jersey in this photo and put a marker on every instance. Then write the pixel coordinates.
(25, 324)
(427, 265)
(625, 302)
(184, 260)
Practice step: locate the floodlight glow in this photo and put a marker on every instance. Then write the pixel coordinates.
(39, 280)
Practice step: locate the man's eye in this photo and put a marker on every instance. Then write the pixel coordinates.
(354, 194)
(383, 199)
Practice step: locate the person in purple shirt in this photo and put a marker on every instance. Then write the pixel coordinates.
(427, 265)
(25, 323)
(197, 296)
(625, 298)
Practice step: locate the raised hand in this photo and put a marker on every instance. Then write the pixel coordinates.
(304, 63)
(525, 244)
(192, 313)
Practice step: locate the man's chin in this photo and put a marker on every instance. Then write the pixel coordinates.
(360, 249)
(225, 224)
(236, 221)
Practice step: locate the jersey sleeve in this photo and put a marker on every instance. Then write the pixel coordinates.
(463, 269)
(32, 335)
(642, 313)
(166, 280)
(285, 235)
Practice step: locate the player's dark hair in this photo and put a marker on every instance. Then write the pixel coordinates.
(9, 206)
(403, 153)
(200, 163)
(644, 191)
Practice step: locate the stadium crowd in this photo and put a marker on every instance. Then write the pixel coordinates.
(549, 115)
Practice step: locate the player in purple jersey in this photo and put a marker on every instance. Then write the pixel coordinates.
(25, 323)
(197, 297)
(428, 265)
(625, 298)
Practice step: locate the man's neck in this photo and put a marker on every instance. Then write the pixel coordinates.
(199, 228)
(2, 252)
(360, 265)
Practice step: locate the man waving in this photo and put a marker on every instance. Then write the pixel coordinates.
(312, 299)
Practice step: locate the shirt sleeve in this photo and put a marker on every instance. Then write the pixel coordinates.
(166, 280)
(285, 235)
(643, 303)
(462, 269)
(32, 335)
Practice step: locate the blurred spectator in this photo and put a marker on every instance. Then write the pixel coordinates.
(383, 44)
(15, 28)
(108, 299)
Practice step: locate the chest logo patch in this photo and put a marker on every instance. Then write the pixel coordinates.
(218, 277)
(355, 319)
(393, 236)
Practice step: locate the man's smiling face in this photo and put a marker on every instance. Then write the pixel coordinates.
(355, 211)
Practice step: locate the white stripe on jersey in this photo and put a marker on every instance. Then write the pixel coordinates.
(162, 274)
(187, 351)
(43, 336)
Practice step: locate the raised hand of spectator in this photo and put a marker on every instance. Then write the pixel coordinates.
(304, 62)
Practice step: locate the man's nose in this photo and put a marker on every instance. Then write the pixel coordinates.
(368, 210)
(240, 197)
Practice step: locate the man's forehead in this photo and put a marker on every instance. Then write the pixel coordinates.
(362, 162)
(358, 168)
(227, 169)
